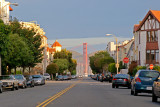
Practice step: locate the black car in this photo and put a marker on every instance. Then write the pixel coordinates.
(30, 81)
(121, 80)
(108, 77)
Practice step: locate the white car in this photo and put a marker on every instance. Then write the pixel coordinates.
(47, 76)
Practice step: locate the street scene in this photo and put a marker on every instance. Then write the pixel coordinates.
(79, 53)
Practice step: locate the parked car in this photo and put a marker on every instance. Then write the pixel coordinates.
(59, 78)
(21, 80)
(156, 90)
(65, 77)
(1, 86)
(94, 76)
(30, 81)
(108, 77)
(38, 79)
(73, 76)
(143, 81)
(9, 82)
(121, 80)
(47, 76)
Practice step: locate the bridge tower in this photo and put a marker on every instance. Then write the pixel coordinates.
(85, 59)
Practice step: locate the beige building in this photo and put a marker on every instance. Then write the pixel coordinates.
(32, 25)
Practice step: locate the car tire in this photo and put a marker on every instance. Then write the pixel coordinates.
(17, 87)
(113, 86)
(135, 92)
(132, 92)
(23, 86)
(12, 89)
(154, 97)
(117, 86)
(1, 89)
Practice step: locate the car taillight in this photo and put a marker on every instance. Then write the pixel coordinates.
(125, 79)
(138, 80)
(114, 79)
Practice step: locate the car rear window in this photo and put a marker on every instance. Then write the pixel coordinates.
(149, 74)
(121, 76)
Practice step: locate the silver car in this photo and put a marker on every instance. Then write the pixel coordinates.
(21, 80)
(9, 82)
(38, 79)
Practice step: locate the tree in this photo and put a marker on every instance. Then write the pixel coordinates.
(100, 61)
(156, 68)
(132, 66)
(52, 69)
(62, 64)
(112, 68)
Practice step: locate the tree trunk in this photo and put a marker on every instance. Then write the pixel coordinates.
(52, 76)
(0, 66)
(15, 70)
(29, 70)
(23, 69)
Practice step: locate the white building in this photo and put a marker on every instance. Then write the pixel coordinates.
(147, 39)
(111, 48)
(4, 11)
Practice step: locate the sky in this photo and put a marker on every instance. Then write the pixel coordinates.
(80, 19)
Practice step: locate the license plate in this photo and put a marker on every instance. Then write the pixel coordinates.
(120, 79)
(149, 88)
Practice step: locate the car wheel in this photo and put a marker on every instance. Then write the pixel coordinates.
(17, 87)
(135, 92)
(12, 88)
(129, 87)
(23, 86)
(154, 97)
(117, 86)
(132, 92)
(113, 86)
(1, 89)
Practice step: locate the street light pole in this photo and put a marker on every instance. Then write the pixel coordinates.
(117, 65)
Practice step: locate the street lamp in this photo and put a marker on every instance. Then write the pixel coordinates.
(117, 65)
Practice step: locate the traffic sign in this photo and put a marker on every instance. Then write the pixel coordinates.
(126, 60)
(151, 66)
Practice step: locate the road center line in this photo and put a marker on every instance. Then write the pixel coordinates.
(46, 102)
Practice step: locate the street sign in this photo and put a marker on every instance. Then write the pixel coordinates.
(126, 60)
(151, 66)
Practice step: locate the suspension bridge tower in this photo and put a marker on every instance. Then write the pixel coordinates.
(85, 59)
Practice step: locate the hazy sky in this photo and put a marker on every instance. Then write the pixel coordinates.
(84, 18)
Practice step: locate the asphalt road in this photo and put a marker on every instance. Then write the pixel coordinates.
(75, 93)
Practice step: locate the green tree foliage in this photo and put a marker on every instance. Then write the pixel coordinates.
(112, 68)
(157, 68)
(19, 47)
(65, 54)
(138, 68)
(100, 61)
(62, 64)
(52, 69)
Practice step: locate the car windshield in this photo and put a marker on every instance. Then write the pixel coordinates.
(121, 76)
(46, 74)
(19, 77)
(59, 76)
(149, 74)
(36, 76)
(5, 77)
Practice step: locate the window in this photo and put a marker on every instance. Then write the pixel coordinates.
(152, 56)
(157, 55)
(152, 36)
